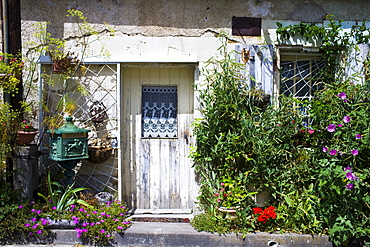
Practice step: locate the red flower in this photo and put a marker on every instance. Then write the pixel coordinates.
(257, 211)
(263, 218)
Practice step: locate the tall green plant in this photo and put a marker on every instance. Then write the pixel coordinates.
(60, 198)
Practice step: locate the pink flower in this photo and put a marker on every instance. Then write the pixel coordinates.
(331, 128)
(342, 95)
(351, 176)
(346, 119)
(310, 131)
(354, 152)
(325, 149)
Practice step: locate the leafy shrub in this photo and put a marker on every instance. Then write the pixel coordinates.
(318, 174)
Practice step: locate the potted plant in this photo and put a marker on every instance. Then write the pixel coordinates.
(26, 133)
(232, 195)
(63, 63)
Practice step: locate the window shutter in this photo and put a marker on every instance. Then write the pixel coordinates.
(355, 69)
(258, 60)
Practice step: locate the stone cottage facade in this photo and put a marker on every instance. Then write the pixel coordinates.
(145, 87)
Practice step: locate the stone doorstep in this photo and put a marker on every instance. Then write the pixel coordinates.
(161, 215)
(169, 218)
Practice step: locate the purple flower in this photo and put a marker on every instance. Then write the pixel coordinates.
(20, 206)
(54, 208)
(325, 149)
(33, 219)
(119, 227)
(342, 95)
(331, 128)
(38, 212)
(94, 212)
(340, 125)
(27, 225)
(354, 152)
(33, 210)
(358, 136)
(39, 231)
(348, 169)
(349, 186)
(102, 231)
(333, 152)
(346, 119)
(351, 176)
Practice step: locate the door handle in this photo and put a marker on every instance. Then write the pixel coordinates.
(186, 138)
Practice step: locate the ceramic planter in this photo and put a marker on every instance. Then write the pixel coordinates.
(24, 138)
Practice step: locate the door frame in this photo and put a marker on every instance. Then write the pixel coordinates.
(127, 171)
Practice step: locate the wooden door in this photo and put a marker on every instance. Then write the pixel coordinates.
(158, 106)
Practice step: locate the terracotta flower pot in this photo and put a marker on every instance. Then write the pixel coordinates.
(24, 138)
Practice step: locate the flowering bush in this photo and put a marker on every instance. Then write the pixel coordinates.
(100, 223)
(96, 223)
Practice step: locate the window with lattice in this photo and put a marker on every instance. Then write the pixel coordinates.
(300, 75)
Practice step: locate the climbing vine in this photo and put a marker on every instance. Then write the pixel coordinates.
(335, 43)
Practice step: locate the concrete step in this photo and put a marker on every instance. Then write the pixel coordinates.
(158, 234)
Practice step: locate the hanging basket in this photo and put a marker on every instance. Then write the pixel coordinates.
(24, 138)
(98, 154)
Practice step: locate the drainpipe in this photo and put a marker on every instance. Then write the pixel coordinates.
(5, 26)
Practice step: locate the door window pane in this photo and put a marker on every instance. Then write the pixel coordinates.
(159, 112)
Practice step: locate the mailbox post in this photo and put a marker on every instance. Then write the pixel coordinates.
(68, 145)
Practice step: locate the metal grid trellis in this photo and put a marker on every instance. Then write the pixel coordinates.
(92, 84)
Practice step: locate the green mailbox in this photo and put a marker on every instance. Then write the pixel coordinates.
(68, 145)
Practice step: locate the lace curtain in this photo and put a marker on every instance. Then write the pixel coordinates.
(159, 112)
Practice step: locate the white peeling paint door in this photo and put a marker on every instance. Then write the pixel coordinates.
(158, 106)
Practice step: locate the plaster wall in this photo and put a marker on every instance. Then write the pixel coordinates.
(148, 29)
